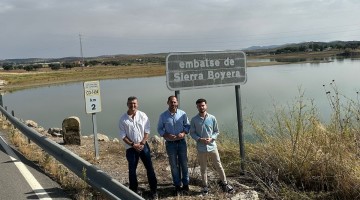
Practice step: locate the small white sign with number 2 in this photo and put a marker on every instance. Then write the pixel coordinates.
(92, 96)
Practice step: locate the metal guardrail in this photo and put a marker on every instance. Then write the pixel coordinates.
(94, 176)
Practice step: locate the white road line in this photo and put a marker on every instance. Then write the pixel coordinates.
(34, 184)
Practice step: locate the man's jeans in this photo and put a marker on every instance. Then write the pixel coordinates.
(132, 157)
(177, 153)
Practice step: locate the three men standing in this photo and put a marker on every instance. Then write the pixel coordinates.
(173, 125)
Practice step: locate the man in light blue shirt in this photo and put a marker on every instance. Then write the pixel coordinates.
(204, 130)
(173, 125)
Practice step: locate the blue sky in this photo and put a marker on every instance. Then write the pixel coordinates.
(51, 28)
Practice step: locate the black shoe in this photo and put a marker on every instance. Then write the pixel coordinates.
(205, 191)
(185, 189)
(177, 190)
(154, 196)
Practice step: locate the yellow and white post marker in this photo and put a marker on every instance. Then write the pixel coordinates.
(93, 105)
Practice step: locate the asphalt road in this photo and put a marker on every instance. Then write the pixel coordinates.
(22, 179)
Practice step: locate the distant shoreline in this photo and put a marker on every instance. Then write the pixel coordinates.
(21, 79)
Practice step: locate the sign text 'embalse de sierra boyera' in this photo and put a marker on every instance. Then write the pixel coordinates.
(205, 69)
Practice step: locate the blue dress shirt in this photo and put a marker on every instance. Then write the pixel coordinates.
(173, 123)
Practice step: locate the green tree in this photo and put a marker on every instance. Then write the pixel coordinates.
(8, 66)
(68, 65)
(37, 66)
(29, 68)
(54, 66)
(19, 67)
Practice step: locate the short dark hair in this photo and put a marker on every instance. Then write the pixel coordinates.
(170, 97)
(132, 98)
(201, 100)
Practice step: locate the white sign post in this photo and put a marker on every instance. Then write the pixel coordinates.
(209, 69)
(93, 105)
(92, 96)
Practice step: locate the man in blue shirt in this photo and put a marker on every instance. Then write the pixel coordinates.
(204, 130)
(173, 126)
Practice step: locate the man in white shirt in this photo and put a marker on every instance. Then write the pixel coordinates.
(134, 128)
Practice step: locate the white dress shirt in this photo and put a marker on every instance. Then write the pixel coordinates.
(135, 128)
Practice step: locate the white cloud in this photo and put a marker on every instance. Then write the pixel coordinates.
(5, 7)
(50, 28)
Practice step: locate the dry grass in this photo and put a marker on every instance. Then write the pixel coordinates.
(46, 76)
(296, 157)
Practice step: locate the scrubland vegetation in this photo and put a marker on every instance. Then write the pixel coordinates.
(296, 156)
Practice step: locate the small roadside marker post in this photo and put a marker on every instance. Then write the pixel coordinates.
(93, 105)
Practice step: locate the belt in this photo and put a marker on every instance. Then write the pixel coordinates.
(175, 141)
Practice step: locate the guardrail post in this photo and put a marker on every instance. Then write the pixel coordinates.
(29, 141)
(5, 115)
(1, 101)
(13, 114)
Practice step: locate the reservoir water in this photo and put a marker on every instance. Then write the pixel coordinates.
(266, 86)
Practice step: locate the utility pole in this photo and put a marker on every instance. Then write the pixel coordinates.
(81, 52)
